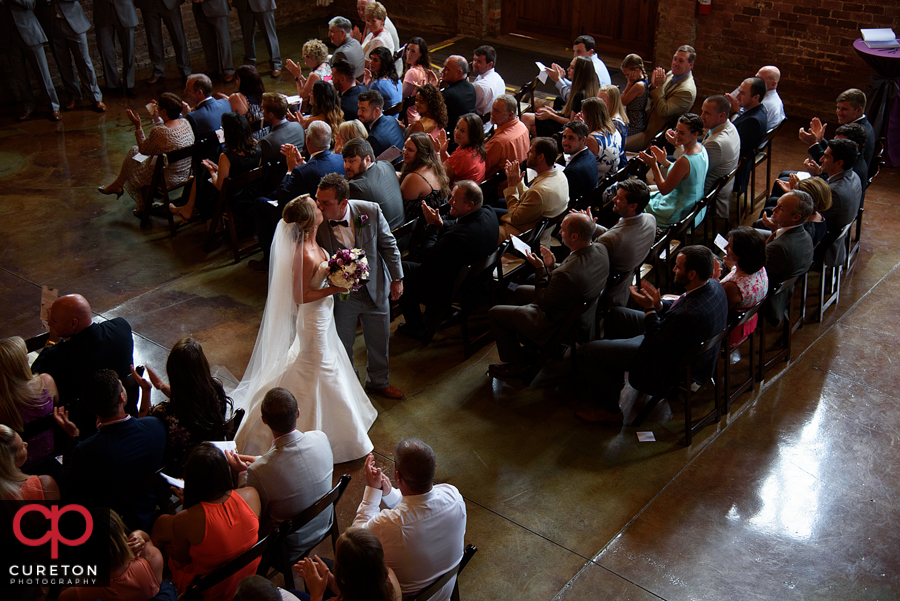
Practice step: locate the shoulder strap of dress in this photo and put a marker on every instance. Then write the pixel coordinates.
(426, 180)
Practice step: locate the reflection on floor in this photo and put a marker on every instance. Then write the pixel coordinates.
(792, 497)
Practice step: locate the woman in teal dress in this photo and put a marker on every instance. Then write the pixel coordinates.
(682, 185)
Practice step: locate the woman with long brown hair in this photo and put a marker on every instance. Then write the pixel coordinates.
(432, 112)
(423, 178)
(548, 121)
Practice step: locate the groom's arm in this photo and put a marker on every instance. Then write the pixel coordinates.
(387, 246)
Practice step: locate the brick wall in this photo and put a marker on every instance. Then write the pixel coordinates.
(809, 40)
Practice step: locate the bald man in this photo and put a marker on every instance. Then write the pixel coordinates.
(772, 101)
(78, 347)
(459, 94)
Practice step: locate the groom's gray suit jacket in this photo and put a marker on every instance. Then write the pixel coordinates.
(376, 239)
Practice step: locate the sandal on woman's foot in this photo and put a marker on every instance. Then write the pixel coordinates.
(109, 190)
(181, 219)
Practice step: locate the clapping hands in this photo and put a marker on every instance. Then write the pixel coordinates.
(647, 296)
(816, 132)
(513, 174)
(316, 575)
(658, 77)
(432, 216)
(292, 156)
(547, 259)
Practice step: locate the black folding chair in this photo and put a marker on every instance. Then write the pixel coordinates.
(432, 589)
(202, 583)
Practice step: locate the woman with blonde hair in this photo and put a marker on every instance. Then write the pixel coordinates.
(819, 189)
(347, 131)
(548, 121)
(135, 567)
(636, 93)
(605, 140)
(610, 95)
(423, 178)
(25, 396)
(315, 56)
(14, 485)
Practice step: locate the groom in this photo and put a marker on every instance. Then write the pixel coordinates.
(361, 224)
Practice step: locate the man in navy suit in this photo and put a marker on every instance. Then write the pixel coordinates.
(384, 130)
(301, 178)
(581, 170)
(647, 343)
(851, 105)
(751, 124)
(343, 81)
(206, 116)
(109, 468)
(459, 94)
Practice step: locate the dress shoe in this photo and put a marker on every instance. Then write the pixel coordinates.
(55, 116)
(276, 73)
(595, 415)
(130, 93)
(25, 116)
(99, 107)
(69, 105)
(508, 371)
(110, 190)
(229, 77)
(258, 266)
(153, 80)
(388, 392)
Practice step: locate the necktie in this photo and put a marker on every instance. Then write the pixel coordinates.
(343, 222)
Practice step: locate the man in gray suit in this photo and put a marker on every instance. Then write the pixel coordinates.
(537, 311)
(630, 239)
(348, 48)
(360, 224)
(723, 147)
(292, 475)
(789, 249)
(25, 40)
(211, 17)
(66, 25)
(375, 181)
(251, 12)
(281, 131)
(155, 13)
(116, 19)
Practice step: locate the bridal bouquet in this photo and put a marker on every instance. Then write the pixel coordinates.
(348, 268)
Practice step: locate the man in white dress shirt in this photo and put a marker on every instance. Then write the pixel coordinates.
(582, 46)
(424, 526)
(488, 83)
(292, 476)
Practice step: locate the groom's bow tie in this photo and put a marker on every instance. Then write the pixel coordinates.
(343, 222)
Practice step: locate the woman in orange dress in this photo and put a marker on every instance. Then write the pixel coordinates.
(14, 485)
(218, 524)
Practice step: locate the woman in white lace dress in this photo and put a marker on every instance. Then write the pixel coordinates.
(298, 347)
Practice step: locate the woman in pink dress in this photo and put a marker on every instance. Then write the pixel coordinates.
(432, 113)
(418, 66)
(747, 283)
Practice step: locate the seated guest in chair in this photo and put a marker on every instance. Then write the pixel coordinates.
(682, 185)
(78, 347)
(291, 476)
(581, 170)
(423, 527)
(111, 467)
(537, 311)
(422, 179)
(467, 161)
(348, 90)
(375, 181)
(751, 122)
(302, 177)
(647, 343)
(14, 485)
(281, 131)
(468, 235)
(746, 282)
(382, 77)
(384, 130)
(219, 523)
(510, 140)
(170, 132)
(547, 196)
(206, 116)
(459, 95)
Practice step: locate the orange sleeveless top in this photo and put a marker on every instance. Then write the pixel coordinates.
(32, 490)
(137, 583)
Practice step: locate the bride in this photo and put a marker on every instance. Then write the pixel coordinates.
(298, 347)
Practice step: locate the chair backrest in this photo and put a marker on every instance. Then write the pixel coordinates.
(526, 90)
(768, 139)
(740, 317)
(877, 160)
(432, 589)
(201, 583)
(231, 426)
(404, 230)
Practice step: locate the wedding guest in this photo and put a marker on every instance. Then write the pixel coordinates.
(547, 120)
(251, 88)
(242, 153)
(14, 485)
(196, 407)
(219, 522)
(820, 191)
(347, 48)
(468, 160)
(510, 140)
(613, 99)
(605, 140)
(418, 66)
(377, 34)
(347, 87)
(135, 571)
(324, 105)
(375, 181)
(382, 77)
(24, 397)
(170, 132)
(347, 131)
(315, 56)
(360, 572)
(636, 93)
(422, 179)
(746, 282)
(385, 132)
(432, 112)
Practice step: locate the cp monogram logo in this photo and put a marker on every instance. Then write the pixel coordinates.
(53, 514)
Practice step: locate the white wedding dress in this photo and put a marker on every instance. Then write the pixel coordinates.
(317, 371)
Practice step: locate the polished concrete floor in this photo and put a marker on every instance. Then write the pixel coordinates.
(791, 497)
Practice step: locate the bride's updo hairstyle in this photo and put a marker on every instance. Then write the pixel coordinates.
(301, 212)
